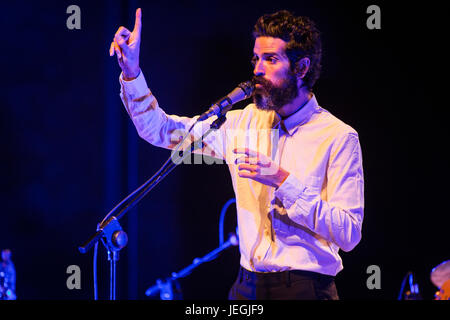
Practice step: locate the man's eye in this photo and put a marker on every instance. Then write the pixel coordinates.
(270, 60)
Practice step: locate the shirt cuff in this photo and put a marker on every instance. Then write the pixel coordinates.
(135, 88)
(289, 191)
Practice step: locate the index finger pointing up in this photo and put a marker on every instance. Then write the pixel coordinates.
(138, 21)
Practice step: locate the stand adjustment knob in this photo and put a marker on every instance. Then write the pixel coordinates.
(120, 239)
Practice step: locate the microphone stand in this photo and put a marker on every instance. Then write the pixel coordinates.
(165, 287)
(109, 230)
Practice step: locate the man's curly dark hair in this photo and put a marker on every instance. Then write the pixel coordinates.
(301, 35)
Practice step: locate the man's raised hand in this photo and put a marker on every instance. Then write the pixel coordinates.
(126, 47)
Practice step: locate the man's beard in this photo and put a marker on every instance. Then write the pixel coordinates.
(271, 97)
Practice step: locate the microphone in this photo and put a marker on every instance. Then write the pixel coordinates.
(243, 91)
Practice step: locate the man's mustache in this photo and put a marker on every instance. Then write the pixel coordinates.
(260, 80)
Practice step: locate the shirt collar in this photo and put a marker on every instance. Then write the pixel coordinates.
(300, 117)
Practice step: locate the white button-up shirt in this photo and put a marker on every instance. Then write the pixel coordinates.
(316, 211)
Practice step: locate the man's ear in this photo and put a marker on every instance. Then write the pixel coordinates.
(302, 67)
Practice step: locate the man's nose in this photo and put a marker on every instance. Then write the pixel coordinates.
(258, 70)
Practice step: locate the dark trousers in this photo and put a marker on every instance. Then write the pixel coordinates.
(285, 285)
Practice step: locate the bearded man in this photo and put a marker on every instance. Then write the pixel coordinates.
(296, 169)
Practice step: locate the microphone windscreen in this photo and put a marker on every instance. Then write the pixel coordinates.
(243, 91)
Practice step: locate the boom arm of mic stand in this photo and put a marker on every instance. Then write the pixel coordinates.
(129, 202)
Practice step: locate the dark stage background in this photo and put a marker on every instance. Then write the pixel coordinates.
(70, 153)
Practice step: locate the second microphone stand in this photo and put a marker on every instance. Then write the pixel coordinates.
(165, 288)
